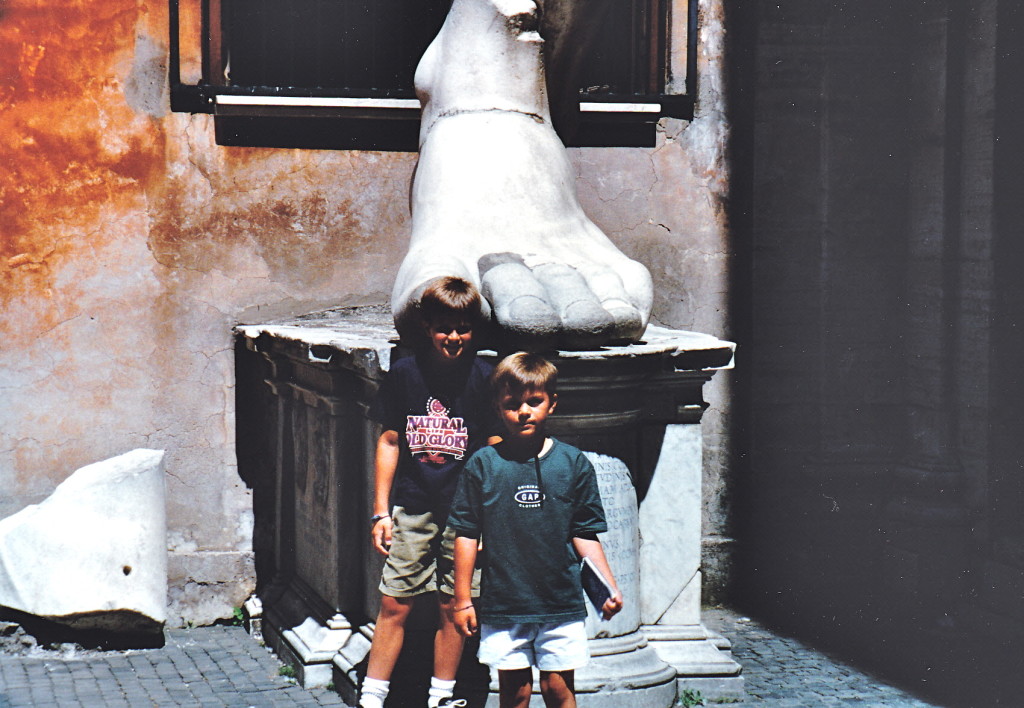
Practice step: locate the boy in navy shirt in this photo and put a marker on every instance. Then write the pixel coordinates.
(535, 504)
(435, 411)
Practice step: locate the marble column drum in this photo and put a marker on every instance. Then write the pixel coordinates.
(634, 409)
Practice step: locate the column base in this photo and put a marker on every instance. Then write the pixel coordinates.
(302, 641)
(702, 660)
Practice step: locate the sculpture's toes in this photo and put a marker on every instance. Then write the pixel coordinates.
(615, 298)
(555, 304)
(519, 302)
(585, 323)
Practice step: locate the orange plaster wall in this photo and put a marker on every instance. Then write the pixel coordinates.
(130, 244)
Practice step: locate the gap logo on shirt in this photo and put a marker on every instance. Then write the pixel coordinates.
(435, 435)
(528, 496)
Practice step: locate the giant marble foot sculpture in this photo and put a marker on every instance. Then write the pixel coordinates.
(494, 197)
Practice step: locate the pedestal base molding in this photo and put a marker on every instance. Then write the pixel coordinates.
(701, 659)
(302, 641)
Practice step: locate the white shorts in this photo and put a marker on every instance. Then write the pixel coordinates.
(550, 646)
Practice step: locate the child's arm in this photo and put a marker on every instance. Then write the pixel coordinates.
(465, 562)
(385, 464)
(591, 548)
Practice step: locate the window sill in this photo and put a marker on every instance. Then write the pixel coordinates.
(294, 119)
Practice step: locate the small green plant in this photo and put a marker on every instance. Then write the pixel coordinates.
(237, 617)
(286, 671)
(690, 697)
(330, 686)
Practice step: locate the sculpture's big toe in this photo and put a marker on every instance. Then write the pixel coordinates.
(518, 301)
(554, 304)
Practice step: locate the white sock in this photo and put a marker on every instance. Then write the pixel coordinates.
(439, 690)
(374, 693)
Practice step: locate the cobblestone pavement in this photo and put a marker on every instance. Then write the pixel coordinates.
(785, 673)
(223, 666)
(206, 666)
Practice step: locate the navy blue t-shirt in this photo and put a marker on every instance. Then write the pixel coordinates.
(442, 416)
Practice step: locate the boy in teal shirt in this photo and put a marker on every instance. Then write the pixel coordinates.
(535, 504)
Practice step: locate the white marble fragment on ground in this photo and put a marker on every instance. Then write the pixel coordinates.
(93, 555)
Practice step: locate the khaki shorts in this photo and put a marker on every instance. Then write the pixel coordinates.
(421, 557)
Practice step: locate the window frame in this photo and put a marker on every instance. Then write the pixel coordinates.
(602, 115)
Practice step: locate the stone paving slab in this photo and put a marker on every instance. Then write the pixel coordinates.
(223, 666)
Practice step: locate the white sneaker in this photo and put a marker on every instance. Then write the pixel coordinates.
(370, 701)
(449, 702)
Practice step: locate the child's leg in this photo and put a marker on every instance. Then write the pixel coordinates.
(560, 648)
(408, 573)
(558, 688)
(388, 636)
(447, 653)
(387, 644)
(448, 641)
(515, 687)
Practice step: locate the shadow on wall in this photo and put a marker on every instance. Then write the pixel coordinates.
(876, 217)
(257, 456)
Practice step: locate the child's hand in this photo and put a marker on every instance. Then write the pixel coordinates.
(612, 606)
(380, 535)
(465, 620)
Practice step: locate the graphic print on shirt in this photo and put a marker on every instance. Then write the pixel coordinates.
(528, 496)
(434, 435)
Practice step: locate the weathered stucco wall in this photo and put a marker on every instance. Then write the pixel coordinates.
(666, 207)
(132, 244)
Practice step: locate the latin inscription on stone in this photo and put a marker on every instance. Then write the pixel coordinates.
(621, 544)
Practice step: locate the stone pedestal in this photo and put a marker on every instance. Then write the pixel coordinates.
(635, 409)
(670, 531)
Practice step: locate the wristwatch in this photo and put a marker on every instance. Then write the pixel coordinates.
(377, 517)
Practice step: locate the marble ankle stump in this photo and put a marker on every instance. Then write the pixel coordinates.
(93, 555)
(494, 198)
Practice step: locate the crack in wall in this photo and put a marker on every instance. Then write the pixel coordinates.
(674, 600)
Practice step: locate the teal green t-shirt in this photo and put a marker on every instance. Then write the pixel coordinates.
(530, 571)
